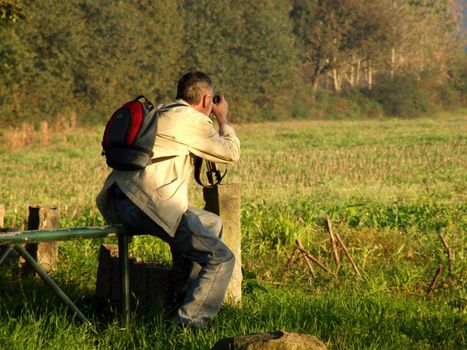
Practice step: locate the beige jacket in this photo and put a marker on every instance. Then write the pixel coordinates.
(161, 189)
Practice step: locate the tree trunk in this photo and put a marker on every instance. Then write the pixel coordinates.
(336, 81)
(370, 75)
(315, 84)
(357, 78)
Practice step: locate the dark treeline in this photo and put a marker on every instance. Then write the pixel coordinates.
(271, 58)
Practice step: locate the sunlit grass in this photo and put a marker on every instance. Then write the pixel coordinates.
(390, 187)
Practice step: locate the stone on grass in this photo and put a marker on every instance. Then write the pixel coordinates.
(271, 341)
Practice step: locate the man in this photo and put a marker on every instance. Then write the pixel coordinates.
(155, 200)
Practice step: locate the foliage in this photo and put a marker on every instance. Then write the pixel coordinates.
(458, 76)
(133, 49)
(248, 49)
(80, 60)
(332, 31)
(87, 58)
(326, 104)
(402, 96)
(10, 12)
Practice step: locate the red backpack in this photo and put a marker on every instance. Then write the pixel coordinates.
(130, 134)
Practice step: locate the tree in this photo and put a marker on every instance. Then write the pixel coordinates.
(34, 56)
(318, 32)
(10, 11)
(426, 33)
(337, 35)
(135, 48)
(85, 58)
(248, 48)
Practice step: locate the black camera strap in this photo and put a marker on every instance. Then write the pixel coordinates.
(213, 174)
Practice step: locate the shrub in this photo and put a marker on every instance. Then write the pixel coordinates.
(458, 77)
(448, 97)
(403, 97)
(444, 94)
(361, 105)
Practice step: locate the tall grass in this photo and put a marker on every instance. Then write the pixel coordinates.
(390, 187)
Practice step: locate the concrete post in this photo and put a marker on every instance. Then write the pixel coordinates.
(7, 254)
(45, 253)
(225, 202)
(3, 251)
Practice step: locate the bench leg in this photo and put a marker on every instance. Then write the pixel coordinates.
(5, 253)
(48, 280)
(124, 279)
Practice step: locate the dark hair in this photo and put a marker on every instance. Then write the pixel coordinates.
(192, 86)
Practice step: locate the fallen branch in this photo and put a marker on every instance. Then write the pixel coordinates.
(293, 257)
(317, 262)
(449, 251)
(436, 279)
(341, 243)
(333, 241)
(303, 251)
(311, 257)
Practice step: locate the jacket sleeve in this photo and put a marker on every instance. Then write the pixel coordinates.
(204, 141)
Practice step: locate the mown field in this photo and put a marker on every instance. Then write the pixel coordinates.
(390, 187)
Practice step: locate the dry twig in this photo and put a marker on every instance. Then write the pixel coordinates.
(293, 257)
(311, 257)
(449, 251)
(436, 279)
(333, 241)
(304, 253)
(341, 243)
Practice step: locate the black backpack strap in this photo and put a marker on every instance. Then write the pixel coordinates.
(170, 106)
(146, 102)
(163, 109)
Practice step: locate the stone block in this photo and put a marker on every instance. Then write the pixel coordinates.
(45, 253)
(149, 282)
(271, 341)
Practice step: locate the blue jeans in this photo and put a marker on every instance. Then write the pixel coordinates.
(198, 244)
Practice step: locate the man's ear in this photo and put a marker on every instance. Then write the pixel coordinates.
(205, 101)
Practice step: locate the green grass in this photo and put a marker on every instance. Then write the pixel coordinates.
(390, 187)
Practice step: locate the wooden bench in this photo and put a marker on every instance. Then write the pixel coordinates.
(223, 200)
(14, 241)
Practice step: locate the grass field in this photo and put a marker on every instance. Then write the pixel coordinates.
(390, 187)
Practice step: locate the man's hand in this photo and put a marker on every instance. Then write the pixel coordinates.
(220, 110)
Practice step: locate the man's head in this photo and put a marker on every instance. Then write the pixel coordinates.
(196, 88)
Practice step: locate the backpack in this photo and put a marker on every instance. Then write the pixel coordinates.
(130, 135)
